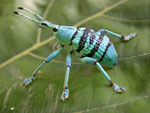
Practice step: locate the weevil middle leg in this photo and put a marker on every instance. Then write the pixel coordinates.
(65, 93)
(94, 61)
(125, 38)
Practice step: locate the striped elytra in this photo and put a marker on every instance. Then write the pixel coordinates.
(89, 43)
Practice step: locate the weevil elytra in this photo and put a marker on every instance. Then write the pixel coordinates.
(93, 47)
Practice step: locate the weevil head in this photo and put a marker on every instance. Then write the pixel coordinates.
(64, 33)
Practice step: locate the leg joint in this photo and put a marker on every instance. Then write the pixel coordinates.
(66, 87)
(122, 37)
(33, 74)
(46, 61)
(68, 65)
(111, 83)
(102, 31)
(95, 62)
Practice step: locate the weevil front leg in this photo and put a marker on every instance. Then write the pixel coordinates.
(65, 93)
(125, 38)
(94, 61)
(48, 59)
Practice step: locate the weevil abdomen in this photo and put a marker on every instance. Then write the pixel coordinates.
(88, 43)
(110, 56)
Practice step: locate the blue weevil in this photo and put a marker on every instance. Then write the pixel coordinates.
(91, 46)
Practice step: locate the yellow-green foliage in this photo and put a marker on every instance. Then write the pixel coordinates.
(23, 46)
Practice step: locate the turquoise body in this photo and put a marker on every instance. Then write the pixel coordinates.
(91, 46)
(86, 42)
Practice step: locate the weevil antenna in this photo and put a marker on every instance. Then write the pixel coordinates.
(28, 10)
(32, 19)
(43, 23)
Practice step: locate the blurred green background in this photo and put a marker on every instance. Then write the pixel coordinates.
(23, 46)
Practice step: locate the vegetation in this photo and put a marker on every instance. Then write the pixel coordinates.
(23, 46)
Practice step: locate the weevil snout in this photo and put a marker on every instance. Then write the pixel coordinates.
(47, 24)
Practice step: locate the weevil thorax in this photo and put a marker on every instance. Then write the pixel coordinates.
(64, 34)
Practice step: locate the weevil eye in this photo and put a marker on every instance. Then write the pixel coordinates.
(55, 29)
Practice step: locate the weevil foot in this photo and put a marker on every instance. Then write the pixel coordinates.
(118, 89)
(130, 36)
(28, 81)
(65, 94)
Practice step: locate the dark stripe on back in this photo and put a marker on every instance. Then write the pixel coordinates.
(96, 46)
(105, 52)
(74, 36)
(83, 40)
(92, 38)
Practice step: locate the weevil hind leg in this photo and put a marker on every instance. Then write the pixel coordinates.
(107, 77)
(124, 38)
(118, 89)
(65, 93)
(132, 35)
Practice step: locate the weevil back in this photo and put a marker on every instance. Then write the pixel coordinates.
(65, 33)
